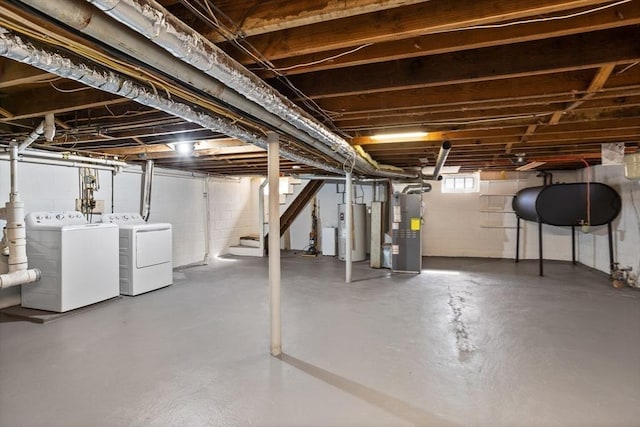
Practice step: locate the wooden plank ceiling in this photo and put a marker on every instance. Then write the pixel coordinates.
(543, 80)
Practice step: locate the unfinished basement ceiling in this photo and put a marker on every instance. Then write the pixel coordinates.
(552, 80)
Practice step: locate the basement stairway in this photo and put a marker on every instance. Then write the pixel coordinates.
(250, 245)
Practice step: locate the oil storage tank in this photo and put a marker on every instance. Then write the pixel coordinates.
(573, 204)
(583, 204)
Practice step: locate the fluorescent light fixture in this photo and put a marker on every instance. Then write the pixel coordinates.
(402, 136)
(296, 167)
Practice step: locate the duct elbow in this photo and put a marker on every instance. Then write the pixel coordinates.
(22, 277)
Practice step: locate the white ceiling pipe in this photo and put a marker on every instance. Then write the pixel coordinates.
(32, 136)
(14, 47)
(49, 127)
(90, 21)
(72, 157)
(153, 21)
(66, 163)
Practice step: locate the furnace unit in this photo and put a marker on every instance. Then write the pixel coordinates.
(406, 226)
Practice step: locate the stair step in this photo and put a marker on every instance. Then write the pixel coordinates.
(250, 241)
(242, 250)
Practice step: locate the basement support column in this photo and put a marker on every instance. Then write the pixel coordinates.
(348, 221)
(273, 167)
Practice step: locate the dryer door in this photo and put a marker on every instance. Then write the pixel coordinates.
(153, 247)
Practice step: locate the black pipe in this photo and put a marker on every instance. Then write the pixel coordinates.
(573, 244)
(610, 246)
(517, 239)
(540, 246)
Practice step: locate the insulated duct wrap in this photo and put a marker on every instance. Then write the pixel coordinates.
(14, 47)
(150, 19)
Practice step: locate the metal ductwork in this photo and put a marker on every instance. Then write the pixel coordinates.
(425, 187)
(181, 48)
(145, 191)
(14, 47)
(445, 148)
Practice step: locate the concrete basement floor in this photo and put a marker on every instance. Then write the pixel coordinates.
(469, 342)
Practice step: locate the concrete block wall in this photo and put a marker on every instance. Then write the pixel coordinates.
(455, 224)
(45, 188)
(233, 207)
(176, 199)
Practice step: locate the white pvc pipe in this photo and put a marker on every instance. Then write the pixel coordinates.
(207, 219)
(72, 157)
(273, 166)
(349, 227)
(20, 277)
(69, 164)
(32, 136)
(13, 169)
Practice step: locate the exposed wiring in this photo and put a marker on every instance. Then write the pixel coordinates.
(537, 20)
(237, 39)
(320, 61)
(627, 67)
(26, 28)
(79, 89)
(349, 163)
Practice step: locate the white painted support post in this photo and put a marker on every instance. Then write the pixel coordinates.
(273, 167)
(349, 225)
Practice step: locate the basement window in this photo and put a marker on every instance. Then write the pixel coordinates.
(459, 183)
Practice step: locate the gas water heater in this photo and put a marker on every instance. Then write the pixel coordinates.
(359, 248)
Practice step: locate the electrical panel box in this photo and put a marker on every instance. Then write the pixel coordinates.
(406, 227)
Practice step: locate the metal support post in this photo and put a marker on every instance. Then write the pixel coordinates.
(517, 239)
(273, 166)
(573, 245)
(349, 227)
(540, 246)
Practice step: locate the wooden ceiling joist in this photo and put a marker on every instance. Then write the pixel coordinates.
(423, 18)
(577, 52)
(622, 15)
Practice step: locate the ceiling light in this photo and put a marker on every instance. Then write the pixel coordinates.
(183, 148)
(401, 136)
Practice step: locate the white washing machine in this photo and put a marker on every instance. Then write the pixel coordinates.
(78, 260)
(146, 261)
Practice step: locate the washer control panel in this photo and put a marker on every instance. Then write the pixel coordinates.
(123, 218)
(55, 218)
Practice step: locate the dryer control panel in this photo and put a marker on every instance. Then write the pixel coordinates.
(54, 218)
(123, 218)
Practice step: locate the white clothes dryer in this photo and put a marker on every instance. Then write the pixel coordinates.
(146, 261)
(78, 261)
